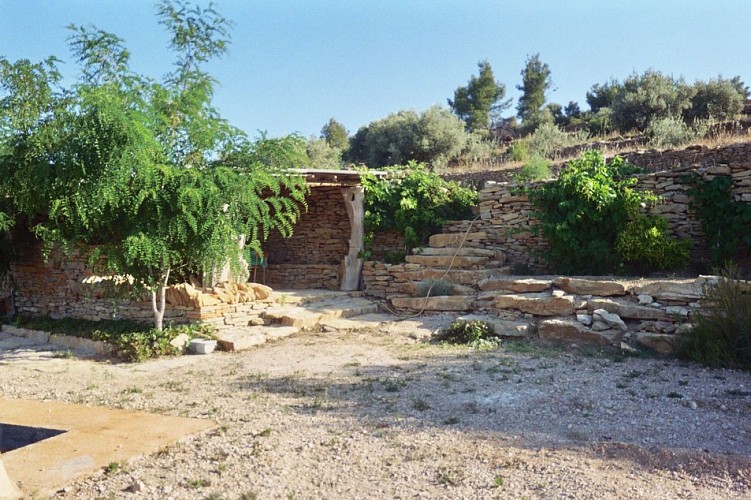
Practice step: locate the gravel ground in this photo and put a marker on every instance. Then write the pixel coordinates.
(378, 414)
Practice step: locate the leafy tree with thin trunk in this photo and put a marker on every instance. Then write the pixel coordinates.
(480, 102)
(143, 176)
(335, 135)
(536, 82)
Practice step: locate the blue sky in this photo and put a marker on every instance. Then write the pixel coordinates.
(293, 64)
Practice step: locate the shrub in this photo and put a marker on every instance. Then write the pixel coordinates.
(547, 140)
(413, 201)
(468, 332)
(645, 245)
(435, 288)
(673, 132)
(725, 221)
(518, 151)
(721, 336)
(582, 212)
(536, 169)
(601, 122)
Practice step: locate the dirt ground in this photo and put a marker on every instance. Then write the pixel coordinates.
(380, 413)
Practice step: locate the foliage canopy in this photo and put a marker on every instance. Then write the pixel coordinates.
(146, 173)
(480, 100)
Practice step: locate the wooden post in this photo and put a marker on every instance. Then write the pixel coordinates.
(352, 265)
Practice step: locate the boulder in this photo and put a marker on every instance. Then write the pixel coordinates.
(261, 292)
(504, 328)
(180, 342)
(660, 342)
(539, 304)
(570, 330)
(589, 287)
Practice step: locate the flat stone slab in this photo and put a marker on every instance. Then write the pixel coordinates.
(240, 339)
(524, 285)
(292, 316)
(463, 251)
(627, 310)
(683, 291)
(502, 327)
(603, 288)
(570, 330)
(93, 438)
(440, 303)
(445, 261)
(449, 239)
(540, 304)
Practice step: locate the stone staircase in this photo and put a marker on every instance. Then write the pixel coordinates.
(296, 310)
(469, 265)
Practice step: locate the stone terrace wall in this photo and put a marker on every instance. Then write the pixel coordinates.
(505, 215)
(58, 290)
(312, 256)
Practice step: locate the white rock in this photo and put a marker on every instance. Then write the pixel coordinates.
(645, 299)
(584, 319)
(611, 319)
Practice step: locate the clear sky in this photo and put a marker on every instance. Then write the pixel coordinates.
(294, 64)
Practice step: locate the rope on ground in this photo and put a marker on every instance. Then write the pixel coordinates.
(403, 317)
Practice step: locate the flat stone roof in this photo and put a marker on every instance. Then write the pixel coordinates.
(335, 177)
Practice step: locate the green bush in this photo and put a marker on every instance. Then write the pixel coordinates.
(468, 332)
(725, 221)
(645, 245)
(547, 140)
(518, 151)
(435, 287)
(582, 212)
(670, 132)
(721, 336)
(536, 169)
(413, 201)
(134, 341)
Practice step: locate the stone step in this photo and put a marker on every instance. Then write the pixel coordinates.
(443, 261)
(539, 304)
(240, 339)
(312, 315)
(468, 277)
(463, 251)
(455, 239)
(514, 284)
(440, 303)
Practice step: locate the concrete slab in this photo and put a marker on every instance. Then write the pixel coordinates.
(94, 438)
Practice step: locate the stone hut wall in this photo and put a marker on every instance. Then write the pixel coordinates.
(311, 258)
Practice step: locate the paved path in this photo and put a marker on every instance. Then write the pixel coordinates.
(14, 349)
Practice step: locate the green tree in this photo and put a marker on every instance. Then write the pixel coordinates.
(481, 100)
(584, 210)
(434, 136)
(647, 97)
(720, 98)
(335, 135)
(536, 82)
(144, 177)
(603, 96)
(321, 155)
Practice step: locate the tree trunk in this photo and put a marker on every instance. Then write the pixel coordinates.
(159, 295)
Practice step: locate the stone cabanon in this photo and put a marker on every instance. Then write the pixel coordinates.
(325, 249)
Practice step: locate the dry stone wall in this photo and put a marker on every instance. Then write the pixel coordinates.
(312, 256)
(505, 214)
